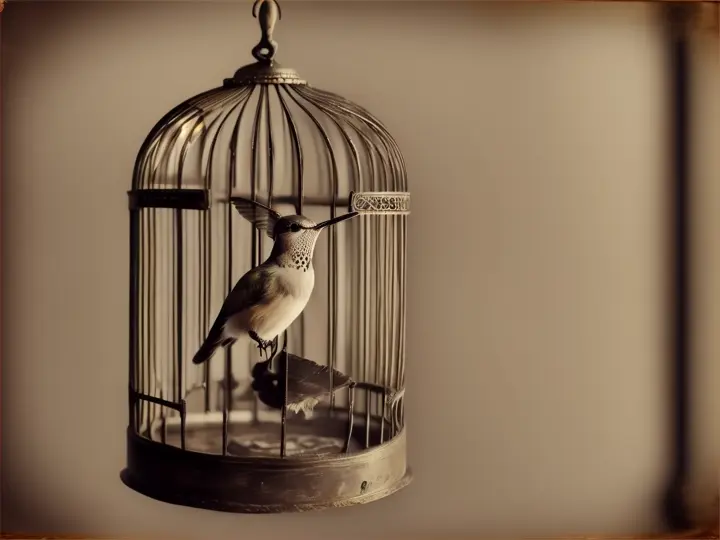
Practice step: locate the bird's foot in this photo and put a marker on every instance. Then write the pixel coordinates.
(263, 345)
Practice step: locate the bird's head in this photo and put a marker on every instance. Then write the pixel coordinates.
(300, 233)
(294, 235)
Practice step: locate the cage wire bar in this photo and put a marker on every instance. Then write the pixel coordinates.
(328, 408)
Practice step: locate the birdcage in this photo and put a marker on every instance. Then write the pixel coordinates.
(318, 421)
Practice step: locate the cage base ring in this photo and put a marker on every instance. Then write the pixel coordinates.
(244, 484)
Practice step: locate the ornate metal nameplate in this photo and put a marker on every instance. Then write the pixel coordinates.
(380, 202)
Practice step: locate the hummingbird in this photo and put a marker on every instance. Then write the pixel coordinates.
(268, 298)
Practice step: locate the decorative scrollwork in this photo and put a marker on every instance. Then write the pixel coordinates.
(380, 202)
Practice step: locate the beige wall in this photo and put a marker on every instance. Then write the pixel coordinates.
(535, 142)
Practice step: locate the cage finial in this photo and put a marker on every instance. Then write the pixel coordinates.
(268, 13)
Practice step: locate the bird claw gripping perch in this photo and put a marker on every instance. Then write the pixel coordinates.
(264, 345)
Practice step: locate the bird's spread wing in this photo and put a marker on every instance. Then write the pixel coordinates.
(261, 216)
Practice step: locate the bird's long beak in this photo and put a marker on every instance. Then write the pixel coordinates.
(335, 220)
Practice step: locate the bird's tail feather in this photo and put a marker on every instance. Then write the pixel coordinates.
(213, 340)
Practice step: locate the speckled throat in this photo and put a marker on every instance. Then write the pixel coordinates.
(298, 254)
(296, 259)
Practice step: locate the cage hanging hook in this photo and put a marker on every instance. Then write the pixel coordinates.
(268, 13)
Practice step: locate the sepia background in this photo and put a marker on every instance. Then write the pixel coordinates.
(536, 139)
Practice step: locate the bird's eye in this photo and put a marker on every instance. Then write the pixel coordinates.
(294, 227)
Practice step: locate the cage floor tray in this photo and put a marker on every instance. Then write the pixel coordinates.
(262, 439)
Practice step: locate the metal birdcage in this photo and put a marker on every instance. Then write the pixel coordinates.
(321, 422)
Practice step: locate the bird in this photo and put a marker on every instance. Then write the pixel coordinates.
(269, 297)
(296, 382)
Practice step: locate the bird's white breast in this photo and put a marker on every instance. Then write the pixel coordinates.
(294, 288)
(297, 283)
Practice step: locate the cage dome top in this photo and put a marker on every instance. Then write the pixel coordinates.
(268, 135)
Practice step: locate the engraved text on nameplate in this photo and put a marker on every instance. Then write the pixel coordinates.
(380, 202)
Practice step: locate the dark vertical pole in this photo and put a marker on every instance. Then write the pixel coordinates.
(283, 424)
(207, 276)
(179, 318)
(133, 331)
(228, 350)
(675, 509)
